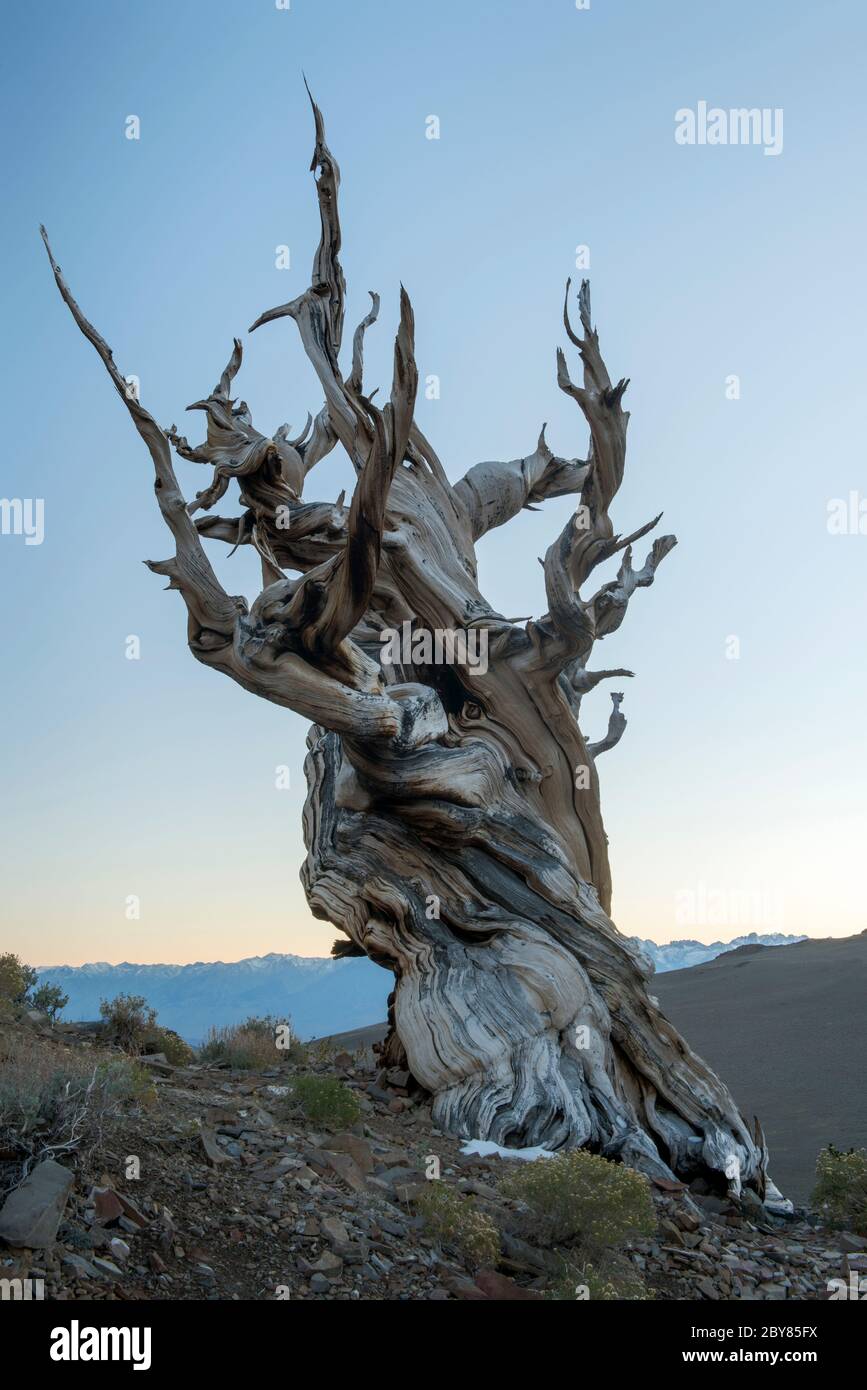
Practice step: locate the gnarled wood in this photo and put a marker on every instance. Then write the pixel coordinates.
(452, 824)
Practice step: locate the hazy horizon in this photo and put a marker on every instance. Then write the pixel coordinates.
(264, 955)
(738, 786)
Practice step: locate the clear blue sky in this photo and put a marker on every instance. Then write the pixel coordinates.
(156, 777)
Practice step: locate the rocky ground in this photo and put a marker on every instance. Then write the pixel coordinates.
(239, 1197)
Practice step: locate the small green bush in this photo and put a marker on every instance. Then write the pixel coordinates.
(16, 979)
(840, 1193)
(123, 1080)
(49, 999)
(582, 1198)
(167, 1041)
(326, 1101)
(455, 1221)
(129, 1020)
(20, 989)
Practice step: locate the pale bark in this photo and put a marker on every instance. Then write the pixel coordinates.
(452, 824)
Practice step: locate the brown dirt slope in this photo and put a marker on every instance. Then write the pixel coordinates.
(786, 1028)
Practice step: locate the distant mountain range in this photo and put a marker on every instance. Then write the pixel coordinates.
(320, 995)
(678, 955)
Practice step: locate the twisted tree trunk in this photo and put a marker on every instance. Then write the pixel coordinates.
(452, 822)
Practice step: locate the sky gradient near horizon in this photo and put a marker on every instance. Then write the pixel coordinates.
(735, 801)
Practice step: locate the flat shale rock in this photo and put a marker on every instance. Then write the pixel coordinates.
(32, 1212)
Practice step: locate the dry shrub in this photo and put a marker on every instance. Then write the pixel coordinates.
(172, 1045)
(254, 1045)
(129, 1021)
(55, 1100)
(614, 1281)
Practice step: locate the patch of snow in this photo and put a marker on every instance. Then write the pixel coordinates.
(774, 1199)
(484, 1148)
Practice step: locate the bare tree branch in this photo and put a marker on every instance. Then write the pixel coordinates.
(495, 492)
(330, 601)
(257, 653)
(588, 539)
(609, 604)
(616, 726)
(190, 571)
(356, 377)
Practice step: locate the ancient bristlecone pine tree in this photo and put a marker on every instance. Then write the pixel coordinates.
(452, 821)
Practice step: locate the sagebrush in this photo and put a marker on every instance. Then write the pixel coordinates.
(582, 1198)
(128, 1020)
(458, 1223)
(325, 1101)
(58, 1101)
(840, 1193)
